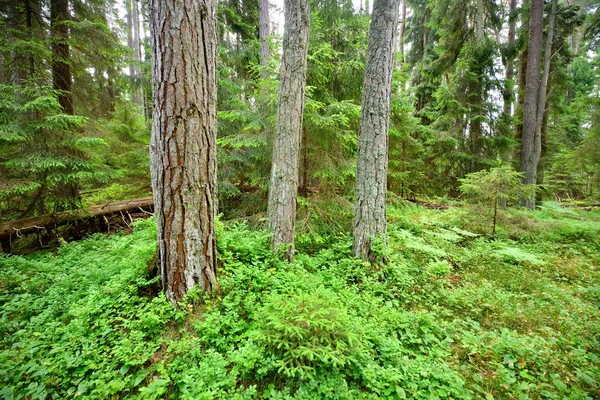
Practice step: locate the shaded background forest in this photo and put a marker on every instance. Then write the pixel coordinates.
(75, 101)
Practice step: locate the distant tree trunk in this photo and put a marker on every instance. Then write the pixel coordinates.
(540, 135)
(286, 141)
(62, 81)
(510, 61)
(61, 70)
(479, 21)
(372, 160)
(402, 29)
(529, 142)
(521, 93)
(129, 23)
(183, 146)
(263, 31)
(137, 53)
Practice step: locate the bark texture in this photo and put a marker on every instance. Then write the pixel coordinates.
(372, 163)
(61, 69)
(286, 142)
(183, 145)
(530, 152)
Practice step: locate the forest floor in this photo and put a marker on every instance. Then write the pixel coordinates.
(453, 313)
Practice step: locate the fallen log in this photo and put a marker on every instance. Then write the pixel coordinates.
(18, 228)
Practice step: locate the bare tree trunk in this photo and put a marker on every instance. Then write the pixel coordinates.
(286, 142)
(183, 146)
(61, 69)
(372, 161)
(529, 144)
(263, 31)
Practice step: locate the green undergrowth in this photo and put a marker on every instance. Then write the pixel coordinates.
(452, 315)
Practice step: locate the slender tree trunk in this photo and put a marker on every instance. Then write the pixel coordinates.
(61, 70)
(402, 30)
(183, 146)
(263, 32)
(129, 22)
(529, 142)
(286, 141)
(372, 162)
(137, 53)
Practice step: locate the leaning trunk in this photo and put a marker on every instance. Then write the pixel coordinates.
(372, 160)
(183, 146)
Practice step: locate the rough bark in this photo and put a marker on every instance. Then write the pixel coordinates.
(61, 70)
(372, 161)
(263, 31)
(183, 145)
(529, 145)
(286, 142)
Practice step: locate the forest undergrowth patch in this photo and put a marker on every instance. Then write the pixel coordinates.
(453, 314)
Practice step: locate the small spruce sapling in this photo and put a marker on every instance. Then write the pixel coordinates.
(498, 185)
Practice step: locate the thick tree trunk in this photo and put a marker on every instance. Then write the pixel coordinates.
(183, 146)
(263, 31)
(61, 70)
(529, 144)
(286, 142)
(372, 162)
(540, 134)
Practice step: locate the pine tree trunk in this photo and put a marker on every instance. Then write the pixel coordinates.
(529, 144)
(286, 141)
(372, 161)
(263, 31)
(183, 146)
(61, 70)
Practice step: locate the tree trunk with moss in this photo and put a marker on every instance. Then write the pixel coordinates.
(183, 146)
